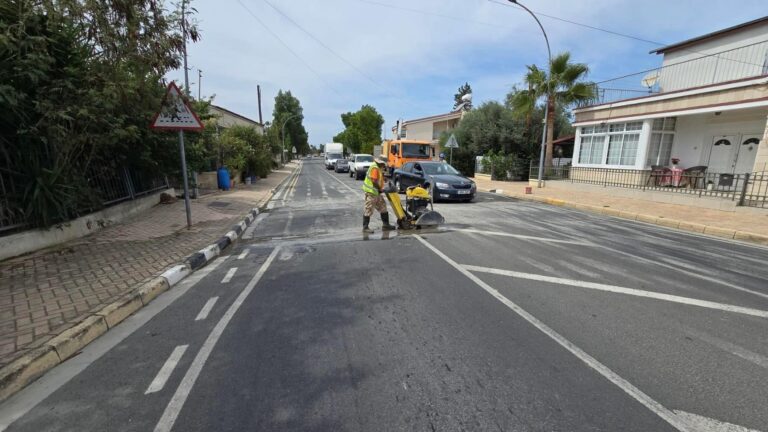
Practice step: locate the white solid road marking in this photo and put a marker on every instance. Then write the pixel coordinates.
(698, 423)
(590, 361)
(172, 410)
(621, 290)
(228, 276)
(682, 270)
(158, 383)
(22, 402)
(206, 309)
(524, 237)
(243, 254)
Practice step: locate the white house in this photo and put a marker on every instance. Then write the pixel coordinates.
(706, 106)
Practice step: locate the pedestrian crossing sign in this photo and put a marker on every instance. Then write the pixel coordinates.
(175, 112)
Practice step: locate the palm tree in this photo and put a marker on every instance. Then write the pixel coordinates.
(564, 86)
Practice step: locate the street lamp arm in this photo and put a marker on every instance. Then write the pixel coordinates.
(546, 39)
(546, 105)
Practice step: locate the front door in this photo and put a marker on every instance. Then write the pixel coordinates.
(745, 160)
(722, 158)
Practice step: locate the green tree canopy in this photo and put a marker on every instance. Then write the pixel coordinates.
(563, 87)
(81, 82)
(362, 130)
(288, 111)
(460, 92)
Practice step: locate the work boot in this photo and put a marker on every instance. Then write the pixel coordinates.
(385, 222)
(366, 221)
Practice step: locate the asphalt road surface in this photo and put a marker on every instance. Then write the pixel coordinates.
(514, 316)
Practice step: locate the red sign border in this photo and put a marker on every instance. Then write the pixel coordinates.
(177, 128)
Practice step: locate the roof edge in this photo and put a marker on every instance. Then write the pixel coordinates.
(716, 33)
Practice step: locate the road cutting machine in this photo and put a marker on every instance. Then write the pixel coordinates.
(418, 211)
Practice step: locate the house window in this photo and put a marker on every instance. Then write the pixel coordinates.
(623, 139)
(662, 138)
(591, 150)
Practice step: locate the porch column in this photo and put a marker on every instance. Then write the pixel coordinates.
(761, 158)
(642, 145)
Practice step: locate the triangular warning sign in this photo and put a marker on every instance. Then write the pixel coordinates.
(175, 113)
(452, 143)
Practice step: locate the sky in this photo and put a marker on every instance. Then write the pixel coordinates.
(407, 58)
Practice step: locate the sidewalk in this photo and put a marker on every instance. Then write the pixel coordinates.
(47, 292)
(747, 226)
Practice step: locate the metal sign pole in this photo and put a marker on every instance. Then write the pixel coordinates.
(184, 176)
(451, 162)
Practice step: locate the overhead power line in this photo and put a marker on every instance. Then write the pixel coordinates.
(295, 54)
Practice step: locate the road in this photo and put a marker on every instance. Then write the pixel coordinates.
(514, 316)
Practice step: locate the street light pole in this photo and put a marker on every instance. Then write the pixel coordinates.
(187, 204)
(546, 105)
(199, 83)
(285, 122)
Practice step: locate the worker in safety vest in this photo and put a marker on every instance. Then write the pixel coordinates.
(373, 186)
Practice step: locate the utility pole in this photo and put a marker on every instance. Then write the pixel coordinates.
(199, 83)
(258, 96)
(187, 204)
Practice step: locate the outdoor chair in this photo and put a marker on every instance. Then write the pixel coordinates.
(693, 177)
(657, 175)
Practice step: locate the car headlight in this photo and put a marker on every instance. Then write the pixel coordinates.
(442, 185)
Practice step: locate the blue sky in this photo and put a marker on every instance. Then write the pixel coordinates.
(407, 57)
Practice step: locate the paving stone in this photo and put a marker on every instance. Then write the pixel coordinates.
(47, 292)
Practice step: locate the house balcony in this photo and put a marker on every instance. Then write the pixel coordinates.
(740, 64)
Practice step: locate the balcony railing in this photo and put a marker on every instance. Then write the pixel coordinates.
(749, 61)
(749, 189)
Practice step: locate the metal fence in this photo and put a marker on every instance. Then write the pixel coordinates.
(704, 69)
(749, 189)
(110, 185)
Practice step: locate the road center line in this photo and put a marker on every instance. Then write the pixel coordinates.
(521, 236)
(176, 403)
(228, 276)
(158, 383)
(621, 290)
(590, 361)
(342, 183)
(206, 309)
(243, 254)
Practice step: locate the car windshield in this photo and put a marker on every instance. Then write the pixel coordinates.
(365, 158)
(334, 155)
(439, 168)
(415, 150)
(342, 161)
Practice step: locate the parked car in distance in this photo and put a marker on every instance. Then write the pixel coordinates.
(359, 164)
(448, 184)
(342, 165)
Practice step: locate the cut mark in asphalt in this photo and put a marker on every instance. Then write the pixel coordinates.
(172, 410)
(621, 290)
(229, 275)
(158, 383)
(524, 237)
(243, 254)
(206, 309)
(590, 361)
(248, 234)
(732, 348)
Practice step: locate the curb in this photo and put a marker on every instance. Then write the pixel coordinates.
(24, 370)
(710, 230)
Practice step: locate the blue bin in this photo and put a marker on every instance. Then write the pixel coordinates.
(222, 177)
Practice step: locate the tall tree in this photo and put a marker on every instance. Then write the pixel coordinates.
(564, 86)
(460, 92)
(362, 129)
(288, 112)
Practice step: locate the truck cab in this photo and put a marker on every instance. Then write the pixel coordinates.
(399, 152)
